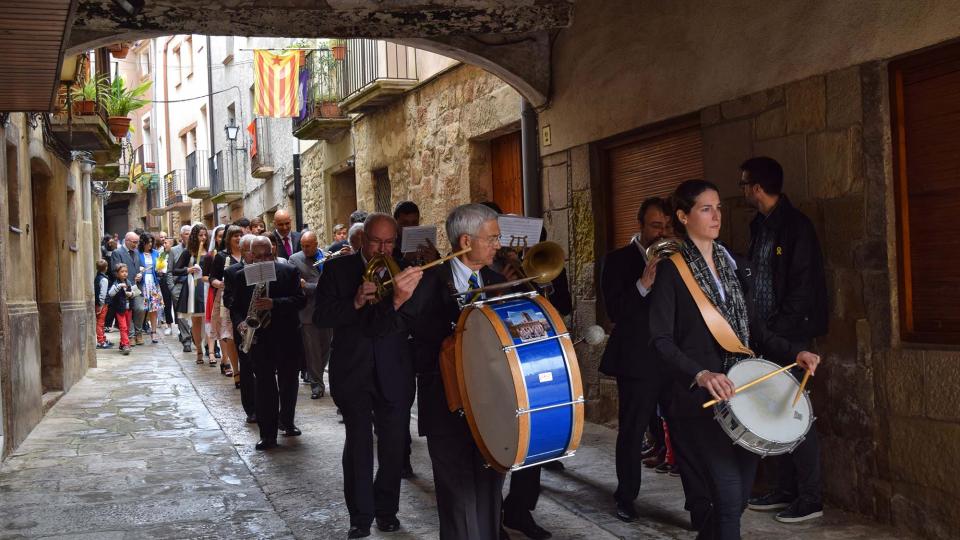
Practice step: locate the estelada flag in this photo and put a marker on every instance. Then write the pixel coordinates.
(276, 83)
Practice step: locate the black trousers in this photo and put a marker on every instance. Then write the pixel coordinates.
(468, 492)
(248, 380)
(726, 470)
(798, 473)
(638, 403)
(276, 384)
(368, 495)
(524, 492)
(167, 301)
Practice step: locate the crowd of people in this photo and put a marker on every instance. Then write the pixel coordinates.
(382, 348)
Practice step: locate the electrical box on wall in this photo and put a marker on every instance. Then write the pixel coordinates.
(545, 136)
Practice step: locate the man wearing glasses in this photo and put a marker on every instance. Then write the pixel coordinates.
(371, 373)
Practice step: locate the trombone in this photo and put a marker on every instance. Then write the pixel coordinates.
(382, 269)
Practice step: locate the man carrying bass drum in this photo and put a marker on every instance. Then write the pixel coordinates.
(696, 364)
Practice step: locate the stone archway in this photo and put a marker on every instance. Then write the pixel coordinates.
(509, 38)
(48, 205)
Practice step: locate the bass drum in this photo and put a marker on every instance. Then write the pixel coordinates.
(519, 381)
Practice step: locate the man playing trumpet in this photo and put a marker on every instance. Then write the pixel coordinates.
(371, 369)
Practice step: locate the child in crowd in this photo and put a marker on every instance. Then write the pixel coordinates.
(101, 286)
(119, 299)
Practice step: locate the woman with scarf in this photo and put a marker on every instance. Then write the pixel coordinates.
(696, 365)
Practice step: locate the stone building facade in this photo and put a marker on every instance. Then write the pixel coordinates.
(48, 246)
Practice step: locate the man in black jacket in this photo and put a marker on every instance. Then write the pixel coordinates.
(791, 299)
(277, 348)
(288, 240)
(626, 281)
(248, 381)
(371, 373)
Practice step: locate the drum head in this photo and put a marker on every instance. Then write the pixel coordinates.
(766, 409)
(490, 392)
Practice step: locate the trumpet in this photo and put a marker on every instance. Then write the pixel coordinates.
(663, 248)
(380, 271)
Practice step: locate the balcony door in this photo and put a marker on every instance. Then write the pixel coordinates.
(507, 173)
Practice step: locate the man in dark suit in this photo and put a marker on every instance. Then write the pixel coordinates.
(791, 300)
(277, 347)
(288, 240)
(370, 373)
(129, 254)
(468, 492)
(248, 381)
(316, 340)
(626, 281)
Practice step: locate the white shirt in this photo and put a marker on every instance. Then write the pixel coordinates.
(461, 275)
(643, 290)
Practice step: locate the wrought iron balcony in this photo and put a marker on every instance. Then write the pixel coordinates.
(156, 195)
(175, 185)
(82, 125)
(143, 162)
(198, 174)
(261, 159)
(375, 72)
(226, 183)
(321, 117)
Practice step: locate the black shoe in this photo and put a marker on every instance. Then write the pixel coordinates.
(266, 444)
(555, 466)
(316, 391)
(799, 511)
(187, 347)
(251, 419)
(358, 532)
(292, 431)
(650, 452)
(775, 500)
(626, 512)
(525, 524)
(388, 524)
(407, 472)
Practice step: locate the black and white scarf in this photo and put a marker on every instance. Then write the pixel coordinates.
(733, 307)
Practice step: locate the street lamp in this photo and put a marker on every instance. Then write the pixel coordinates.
(232, 130)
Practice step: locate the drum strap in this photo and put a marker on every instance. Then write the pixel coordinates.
(719, 327)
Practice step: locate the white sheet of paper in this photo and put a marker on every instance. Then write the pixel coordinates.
(413, 237)
(518, 228)
(263, 272)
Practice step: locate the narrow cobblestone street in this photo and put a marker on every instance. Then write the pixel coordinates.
(153, 446)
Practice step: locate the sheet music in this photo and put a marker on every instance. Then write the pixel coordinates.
(263, 272)
(519, 228)
(414, 237)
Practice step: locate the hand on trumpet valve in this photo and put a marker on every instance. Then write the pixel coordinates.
(719, 386)
(650, 273)
(808, 361)
(367, 292)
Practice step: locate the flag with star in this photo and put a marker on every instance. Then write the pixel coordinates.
(276, 83)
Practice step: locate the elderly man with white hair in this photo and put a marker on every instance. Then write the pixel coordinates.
(248, 380)
(183, 325)
(468, 492)
(129, 254)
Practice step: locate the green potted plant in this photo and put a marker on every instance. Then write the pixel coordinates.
(87, 96)
(121, 101)
(119, 50)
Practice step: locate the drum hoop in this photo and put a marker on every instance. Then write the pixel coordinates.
(523, 444)
(803, 397)
(573, 372)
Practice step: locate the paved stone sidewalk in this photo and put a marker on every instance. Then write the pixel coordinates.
(154, 446)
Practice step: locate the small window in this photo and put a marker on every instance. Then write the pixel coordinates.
(177, 67)
(188, 56)
(13, 186)
(381, 190)
(144, 61)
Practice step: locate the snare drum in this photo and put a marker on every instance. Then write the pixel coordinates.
(762, 418)
(519, 381)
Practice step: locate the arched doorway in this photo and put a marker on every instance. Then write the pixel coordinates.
(48, 204)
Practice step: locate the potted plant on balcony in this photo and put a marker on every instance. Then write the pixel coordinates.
(87, 96)
(119, 50)
(121, 101)
(339, 49)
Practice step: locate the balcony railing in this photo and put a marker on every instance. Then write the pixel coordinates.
(226, 183)
(322, 117)
(175, 186)
(143, 162)
(156, 196)
(198, 174)
(261, 159)
(376, 71)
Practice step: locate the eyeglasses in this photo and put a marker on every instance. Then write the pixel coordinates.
(493, 240)
(382, 243)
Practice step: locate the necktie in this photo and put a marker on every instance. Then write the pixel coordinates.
(286, 245)
(474, 283)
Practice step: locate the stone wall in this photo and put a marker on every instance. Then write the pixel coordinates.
(890, 432)
(430, 139)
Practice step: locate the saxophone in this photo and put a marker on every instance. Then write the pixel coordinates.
(255, 319)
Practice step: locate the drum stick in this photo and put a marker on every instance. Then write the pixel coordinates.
(435, 263)
(758, 380)
(803, 384)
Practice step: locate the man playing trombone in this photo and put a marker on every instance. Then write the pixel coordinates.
(276, 347)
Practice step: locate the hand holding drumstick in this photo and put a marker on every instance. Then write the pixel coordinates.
(720, 389)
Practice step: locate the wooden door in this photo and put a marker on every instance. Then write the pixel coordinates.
(507, 172)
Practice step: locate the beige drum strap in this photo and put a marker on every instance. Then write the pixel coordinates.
(719, 327)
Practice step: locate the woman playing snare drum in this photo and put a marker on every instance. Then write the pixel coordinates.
(696, 364)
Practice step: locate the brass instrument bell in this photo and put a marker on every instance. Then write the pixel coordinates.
(381, 270)
(663, 248)
(543, 262)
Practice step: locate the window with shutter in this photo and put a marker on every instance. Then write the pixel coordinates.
(649, 165)
(381, 191)
(926, 129)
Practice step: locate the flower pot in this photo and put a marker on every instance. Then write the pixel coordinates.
(85, 107)
(330, 109)
(119, 126)
(339, 52)
(120, 50)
